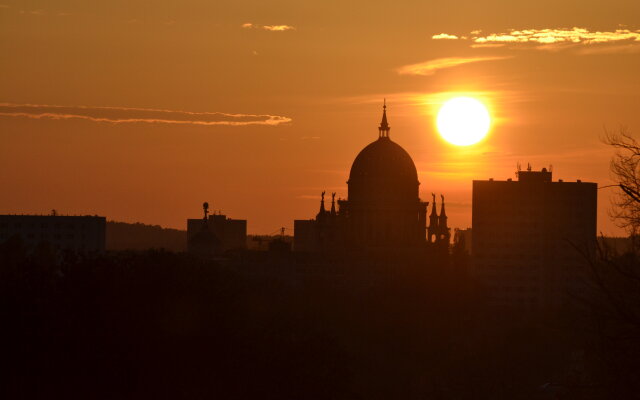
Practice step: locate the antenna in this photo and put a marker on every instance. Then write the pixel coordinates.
(205, 207)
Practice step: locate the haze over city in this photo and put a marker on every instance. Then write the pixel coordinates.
(142, 112)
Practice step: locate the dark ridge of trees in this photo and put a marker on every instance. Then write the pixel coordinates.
(141, 237)
(157, 324)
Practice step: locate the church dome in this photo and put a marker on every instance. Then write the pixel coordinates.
(384, 159)
(383, 171)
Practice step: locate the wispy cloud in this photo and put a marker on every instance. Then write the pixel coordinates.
(278, 28)
(548, 36)
(118, 115)
(272, 28)
(444, 36)
(487, 45)
(32, 12)
(430, 67)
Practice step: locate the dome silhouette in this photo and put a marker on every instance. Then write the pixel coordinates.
(383, 209)
(383, 170)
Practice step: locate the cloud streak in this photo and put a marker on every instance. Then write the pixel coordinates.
(119, 115)
(272, 28)
(430, 67)
(278, 28)
(549, 36)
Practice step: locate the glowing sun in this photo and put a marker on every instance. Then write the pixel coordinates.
(463, 121)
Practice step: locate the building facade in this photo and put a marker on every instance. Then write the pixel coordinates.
(531, 237)
(215, 234)
(80, 234)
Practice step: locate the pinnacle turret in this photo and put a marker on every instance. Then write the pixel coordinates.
(384, 128)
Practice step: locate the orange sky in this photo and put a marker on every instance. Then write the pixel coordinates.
(258, 106)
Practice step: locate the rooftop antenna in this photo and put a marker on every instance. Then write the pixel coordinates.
(205, 207)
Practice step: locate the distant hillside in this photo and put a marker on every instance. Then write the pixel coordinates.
(124, 236)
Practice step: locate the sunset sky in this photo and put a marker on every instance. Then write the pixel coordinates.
(140, 111)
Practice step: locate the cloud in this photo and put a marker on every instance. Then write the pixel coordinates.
(444, 36)
(278, 28)
(430, 67)
(544, 38)
(487, 45)
(549, 36)
(272, 28)
(118, 115)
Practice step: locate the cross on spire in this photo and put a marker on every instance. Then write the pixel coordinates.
(383, 130)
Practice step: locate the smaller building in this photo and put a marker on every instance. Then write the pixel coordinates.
(325, 232)
(463, 237)
(269, 242)
(215, 234)
(80, 234)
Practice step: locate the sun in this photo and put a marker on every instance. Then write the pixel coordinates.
(463, 121)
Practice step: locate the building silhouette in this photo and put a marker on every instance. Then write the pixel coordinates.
(383, 208)
(215, 234)
(531, 237)
(79, 234)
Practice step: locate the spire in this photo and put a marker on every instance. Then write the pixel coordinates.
(433, 206)
(322, 211)
(333, 203)
(432, 230)
(384, 128)
(444, 234)
(442, 213)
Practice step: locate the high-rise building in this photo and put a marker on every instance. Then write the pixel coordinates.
(531, 237)
(80, 234)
